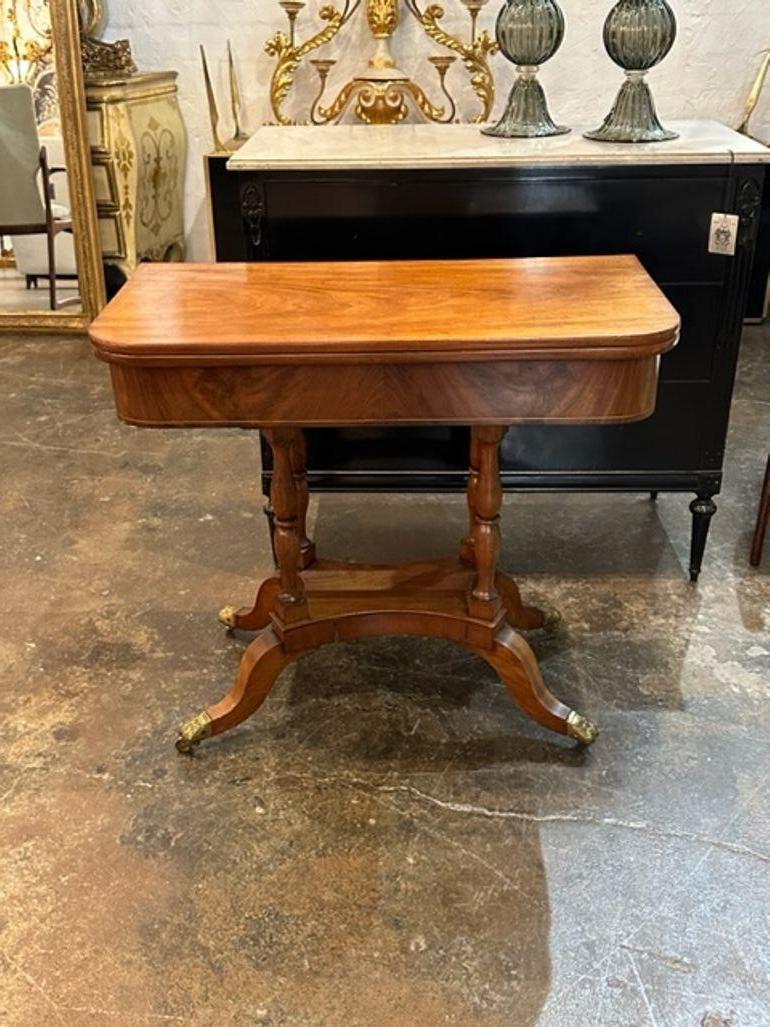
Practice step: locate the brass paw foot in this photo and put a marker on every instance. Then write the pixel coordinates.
(582, 729)
(227, 616)
(191, 733)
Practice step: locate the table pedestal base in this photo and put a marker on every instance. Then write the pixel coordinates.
(311, 602)
(351, 601)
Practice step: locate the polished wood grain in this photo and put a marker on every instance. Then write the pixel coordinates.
(265, 658)
(298, 457)
(485, 343)
(465, 599)
(500, 392)
(467, 554)
(427, 598)
(484, 600)
(382, 588)
(391, 310)
(290, 604)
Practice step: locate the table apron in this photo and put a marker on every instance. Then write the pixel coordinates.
(489, 392)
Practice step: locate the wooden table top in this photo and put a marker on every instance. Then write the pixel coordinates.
(599, 308)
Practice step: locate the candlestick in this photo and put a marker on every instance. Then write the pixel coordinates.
(637, 35)
(529, 33)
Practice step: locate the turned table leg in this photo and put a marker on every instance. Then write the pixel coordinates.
(493, 591)
(292, 548)
(282, 596)
(285, 499)
(299, 470)
(480, 548)
(484, 601)
(357, 601)
(467, 554)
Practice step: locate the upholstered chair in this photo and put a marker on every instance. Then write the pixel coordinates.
(40, 229)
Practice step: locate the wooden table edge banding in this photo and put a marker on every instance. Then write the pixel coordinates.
(214, 362)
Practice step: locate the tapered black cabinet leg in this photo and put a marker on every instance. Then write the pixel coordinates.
(654, 496)
(703, 509)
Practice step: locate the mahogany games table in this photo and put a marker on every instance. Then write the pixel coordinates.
(485, 343)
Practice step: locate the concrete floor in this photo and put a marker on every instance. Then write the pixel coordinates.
(388, 842)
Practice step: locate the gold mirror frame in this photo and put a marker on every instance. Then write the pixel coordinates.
(77, 150)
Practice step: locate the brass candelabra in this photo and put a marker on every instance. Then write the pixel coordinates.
(380, 93)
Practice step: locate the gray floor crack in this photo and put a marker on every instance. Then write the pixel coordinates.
(492, 813)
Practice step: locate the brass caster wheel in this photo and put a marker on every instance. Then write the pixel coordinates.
(227, 616)
(193, 732)
(582, 729)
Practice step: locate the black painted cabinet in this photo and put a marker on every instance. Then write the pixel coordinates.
(660, 212)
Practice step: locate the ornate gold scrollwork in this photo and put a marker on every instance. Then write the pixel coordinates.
(475, 55)
(101, 60)
(289, 55)
(381, 93)
(106, 60)
(325, 115)
(382, 16)
(425, 107)
(381, 103)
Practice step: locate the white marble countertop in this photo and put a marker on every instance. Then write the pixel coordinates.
(328, 147)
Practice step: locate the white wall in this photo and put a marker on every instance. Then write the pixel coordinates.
(707, 75)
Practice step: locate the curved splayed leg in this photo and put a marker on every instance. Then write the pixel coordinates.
(255, 617)
(517, 666)
(259, 668)
(525, 618)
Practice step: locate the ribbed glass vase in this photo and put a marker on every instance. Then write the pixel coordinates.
(637, 35)
(529, 32)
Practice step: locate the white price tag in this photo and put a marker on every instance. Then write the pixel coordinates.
(723, 237)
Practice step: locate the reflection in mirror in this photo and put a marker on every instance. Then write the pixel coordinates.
(38, 264)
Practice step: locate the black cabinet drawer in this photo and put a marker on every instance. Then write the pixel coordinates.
(663, 218)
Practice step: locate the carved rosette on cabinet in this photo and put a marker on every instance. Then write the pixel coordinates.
(747, 208)
(138, 147)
